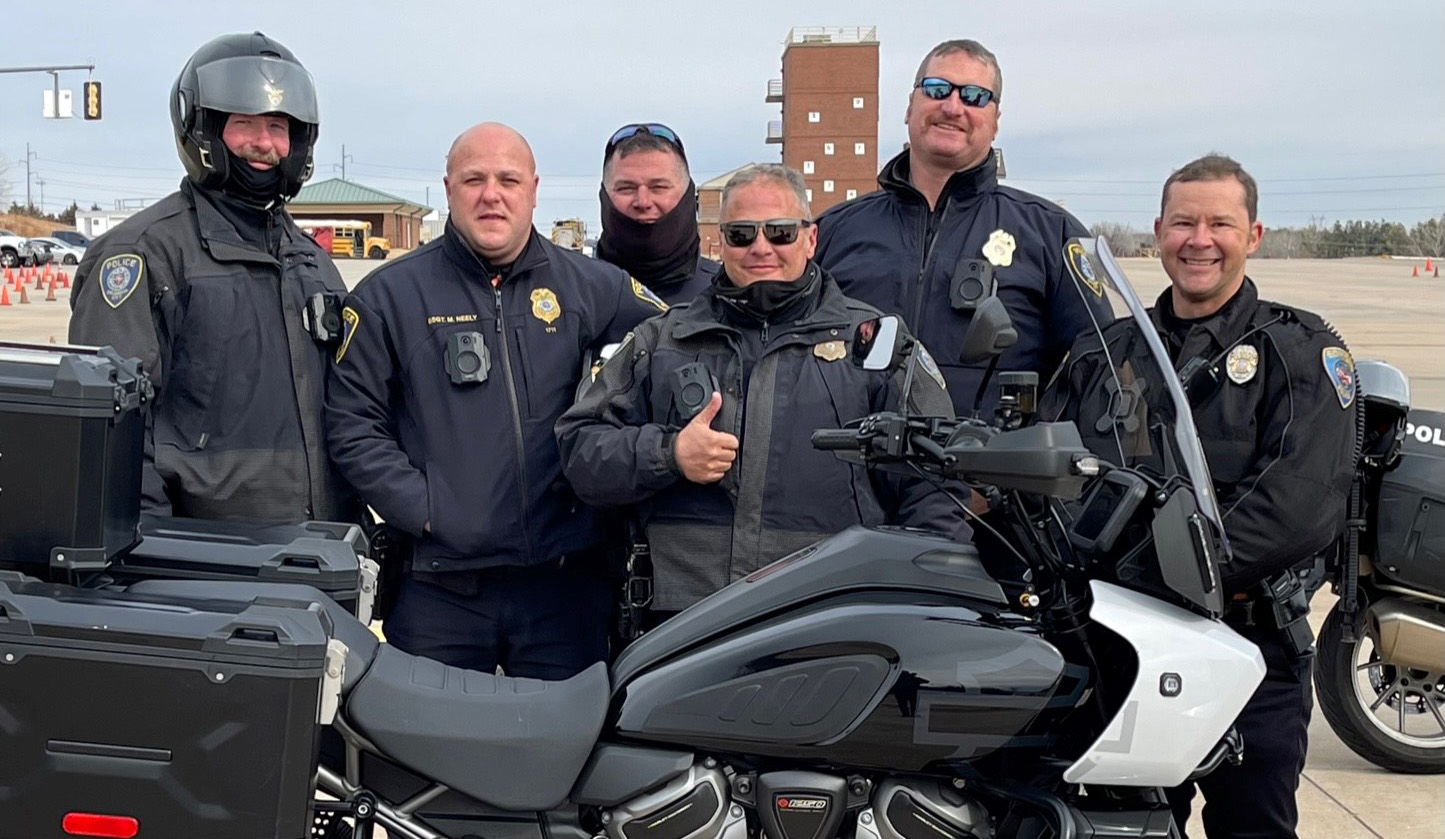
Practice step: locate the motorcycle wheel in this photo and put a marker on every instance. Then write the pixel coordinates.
(1391, 716)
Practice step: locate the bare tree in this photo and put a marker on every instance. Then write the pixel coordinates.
(4, 180)
(1123, 239)
(1428, 237)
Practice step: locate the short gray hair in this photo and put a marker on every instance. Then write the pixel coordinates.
(974, 50)
(775, 172)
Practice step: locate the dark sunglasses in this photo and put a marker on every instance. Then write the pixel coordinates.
(969, 94)
(653, 128)
(778, 231)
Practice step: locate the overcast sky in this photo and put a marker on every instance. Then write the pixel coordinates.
(1338, 108)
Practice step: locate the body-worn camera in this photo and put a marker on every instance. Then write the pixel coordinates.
(692, 388)
(323, 318)
(468, 360)
(972, 283)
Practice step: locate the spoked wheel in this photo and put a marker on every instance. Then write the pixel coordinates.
(1392, 716)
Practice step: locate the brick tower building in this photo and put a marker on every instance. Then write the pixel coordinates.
(829, 94)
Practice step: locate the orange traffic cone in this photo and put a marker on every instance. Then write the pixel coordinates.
(1437, 272)
(50, 293)
(64, 279)
(1427, 264)
(1415, 272)
(4, 296)
(10, 275)
(24, 298)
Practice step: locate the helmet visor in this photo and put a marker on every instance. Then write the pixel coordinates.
(256, 84)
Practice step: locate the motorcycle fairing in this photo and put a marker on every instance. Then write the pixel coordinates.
(1195, 676)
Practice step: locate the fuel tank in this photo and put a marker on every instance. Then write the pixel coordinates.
(901, 658)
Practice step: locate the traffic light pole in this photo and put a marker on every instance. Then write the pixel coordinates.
(54, 72)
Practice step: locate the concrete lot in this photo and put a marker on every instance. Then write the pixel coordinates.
(1383, 313)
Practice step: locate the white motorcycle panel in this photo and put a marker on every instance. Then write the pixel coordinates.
(1195, 676)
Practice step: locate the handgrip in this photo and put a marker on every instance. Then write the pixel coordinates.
(835, 439)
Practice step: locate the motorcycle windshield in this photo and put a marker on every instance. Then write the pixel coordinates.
(1129, 404)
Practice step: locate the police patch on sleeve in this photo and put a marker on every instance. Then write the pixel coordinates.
(642, 292)
(930, 366)
(1341, 370)
(349, 321)
(119, 277)
(1079, 266)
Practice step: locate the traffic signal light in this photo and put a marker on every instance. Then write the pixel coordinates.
(92, 100)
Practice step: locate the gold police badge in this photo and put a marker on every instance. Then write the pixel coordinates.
(999, 250)
(830, 350)
(1242, 363)
(545, 306)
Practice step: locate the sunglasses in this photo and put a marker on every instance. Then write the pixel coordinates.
(778, 231)
(969, 94)
(653, 128)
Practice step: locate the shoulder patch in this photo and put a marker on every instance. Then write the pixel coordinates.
(1340, 368)
(1079, 266)
(350, 320)
(119, 277)
(642, 292)
(930, 366)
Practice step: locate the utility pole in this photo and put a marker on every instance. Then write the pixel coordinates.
(40, 182)
(28, 155)
(344, 155)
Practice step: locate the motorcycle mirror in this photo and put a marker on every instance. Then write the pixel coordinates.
(990, 332)
(878, 343)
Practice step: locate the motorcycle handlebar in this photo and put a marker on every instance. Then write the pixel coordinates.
(836, 439)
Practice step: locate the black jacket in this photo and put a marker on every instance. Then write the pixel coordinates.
(477, 460)
(682, 288)
(217, 318)
(888, 249)
(781, 494)
(1279, 434)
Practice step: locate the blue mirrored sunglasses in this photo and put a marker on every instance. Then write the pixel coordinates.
(969, 94)
(654, 128)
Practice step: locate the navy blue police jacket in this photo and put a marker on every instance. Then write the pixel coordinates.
(888, 249)
(478, 461)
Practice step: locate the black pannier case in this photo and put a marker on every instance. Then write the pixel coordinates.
(1411, 514)
(71, 435)
(324, 555)
(192, 718)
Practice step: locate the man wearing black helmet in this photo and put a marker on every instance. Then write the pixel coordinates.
(234, 312)
(649, 213)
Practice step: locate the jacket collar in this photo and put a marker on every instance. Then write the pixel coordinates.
(469, 261)
(219, 235)
(896, 177)
(1225, 325)
(701, 314)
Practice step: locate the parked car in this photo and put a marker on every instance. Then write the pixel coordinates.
(73, 238)
(64, 252)
(10, 245)
(35, 252)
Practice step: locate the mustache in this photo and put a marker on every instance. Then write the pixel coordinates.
(257, 156)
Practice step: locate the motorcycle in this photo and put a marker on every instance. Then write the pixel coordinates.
(884, 683)
(1380, 656)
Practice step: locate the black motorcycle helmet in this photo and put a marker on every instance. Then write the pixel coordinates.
(242, 74)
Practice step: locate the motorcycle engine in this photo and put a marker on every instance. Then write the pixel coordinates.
(923, 809)
(694, 806)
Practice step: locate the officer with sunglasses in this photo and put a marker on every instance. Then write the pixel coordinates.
(1273, 395)
(702, 419)
(649, 213)
(942, 233)
(455, 364)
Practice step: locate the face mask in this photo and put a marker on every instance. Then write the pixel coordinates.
(667, 249)
(256, 187)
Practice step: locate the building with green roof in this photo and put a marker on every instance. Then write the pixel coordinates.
(396, 218)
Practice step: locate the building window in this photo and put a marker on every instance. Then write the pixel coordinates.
(827, 148)
(857, 102)
(860, 148)
(814, 116)
(852, 193)
(827, 186)
(810, 195)
(807, 167)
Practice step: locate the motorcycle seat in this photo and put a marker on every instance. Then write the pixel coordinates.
(514, 743)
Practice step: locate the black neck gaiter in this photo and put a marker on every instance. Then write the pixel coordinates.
(773, 301)
(259, 188)
(654, 253)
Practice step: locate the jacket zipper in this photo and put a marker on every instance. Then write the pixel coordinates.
(928, 241)
(516, 415)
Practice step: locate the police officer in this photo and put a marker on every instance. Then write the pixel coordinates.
(234, 312)
(728, 483)
(942, 232)
(456, 362)
(649, 213)
(1273, 395)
